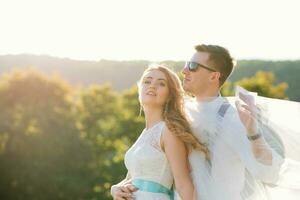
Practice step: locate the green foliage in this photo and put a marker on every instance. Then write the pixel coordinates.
(262, 83)
(98, 112)
(284, 71)
(42, 155)
(133, 121)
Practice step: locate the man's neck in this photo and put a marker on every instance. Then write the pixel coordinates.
(208, 96)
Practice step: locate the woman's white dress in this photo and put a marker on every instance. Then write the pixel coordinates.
(146, 160)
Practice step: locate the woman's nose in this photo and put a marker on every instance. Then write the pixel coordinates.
(153, 85)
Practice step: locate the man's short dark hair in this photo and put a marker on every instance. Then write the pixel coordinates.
(220, 58)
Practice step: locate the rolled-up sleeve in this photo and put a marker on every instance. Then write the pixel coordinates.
(233, 132)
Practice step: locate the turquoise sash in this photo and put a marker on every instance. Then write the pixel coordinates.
(151, 186)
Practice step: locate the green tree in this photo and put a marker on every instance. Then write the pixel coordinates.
(262, 83)
(42, 155)
(99, 114)
(132, 114)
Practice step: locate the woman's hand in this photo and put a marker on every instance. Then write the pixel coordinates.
(123, 191)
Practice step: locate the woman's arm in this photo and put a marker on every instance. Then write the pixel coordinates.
(177, 156)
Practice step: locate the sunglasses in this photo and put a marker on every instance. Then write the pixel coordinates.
(193, 66)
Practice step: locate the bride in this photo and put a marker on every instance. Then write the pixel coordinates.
(159, 157)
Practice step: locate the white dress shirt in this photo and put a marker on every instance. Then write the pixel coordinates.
(231, 151)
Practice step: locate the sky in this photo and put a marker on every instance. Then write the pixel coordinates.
(153, 30)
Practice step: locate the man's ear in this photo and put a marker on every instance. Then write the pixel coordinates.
(215, 76)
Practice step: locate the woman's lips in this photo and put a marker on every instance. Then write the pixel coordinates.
(151, 93)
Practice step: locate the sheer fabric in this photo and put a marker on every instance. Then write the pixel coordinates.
(234, 171)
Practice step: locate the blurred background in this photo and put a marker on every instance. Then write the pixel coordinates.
(68, 73)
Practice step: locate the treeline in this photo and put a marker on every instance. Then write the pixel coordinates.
(123, 74)
(66, 143)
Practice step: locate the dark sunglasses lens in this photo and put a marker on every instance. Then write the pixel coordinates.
(193, 66)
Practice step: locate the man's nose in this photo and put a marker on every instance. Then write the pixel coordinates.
(185, 70)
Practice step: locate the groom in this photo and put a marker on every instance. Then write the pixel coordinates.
(235, 144)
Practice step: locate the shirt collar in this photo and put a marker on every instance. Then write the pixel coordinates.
(212, 103)
(210, 100)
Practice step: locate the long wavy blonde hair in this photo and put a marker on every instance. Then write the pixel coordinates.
(174, 114)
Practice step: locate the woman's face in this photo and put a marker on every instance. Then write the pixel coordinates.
(154, 90)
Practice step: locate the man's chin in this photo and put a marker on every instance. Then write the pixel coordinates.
(186, 87)
(188, 90)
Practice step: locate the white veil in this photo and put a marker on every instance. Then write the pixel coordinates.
(265, 178)
(280, 124)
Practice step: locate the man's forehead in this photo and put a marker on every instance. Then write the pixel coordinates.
(200, 57)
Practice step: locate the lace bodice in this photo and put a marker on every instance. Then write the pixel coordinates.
(146, 160)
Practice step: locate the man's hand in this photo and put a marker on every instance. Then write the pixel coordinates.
(246, 114)
(249, 112)
(123, 191)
